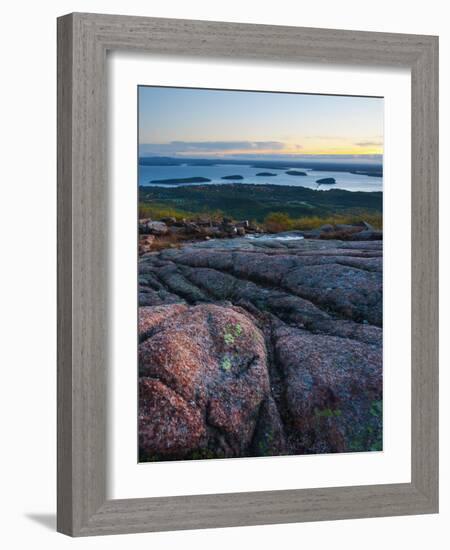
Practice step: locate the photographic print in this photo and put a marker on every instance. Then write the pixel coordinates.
(260, 263)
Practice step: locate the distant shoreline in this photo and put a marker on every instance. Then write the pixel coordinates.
(180, 181)
(228, 181)
(356, 166)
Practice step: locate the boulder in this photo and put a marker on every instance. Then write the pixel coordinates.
(169, 220)
(326, 227)
(368, 235)
(333, 391)
(364, 225)
(244, 223)
(209, 232)
(254, 228)
(168, 424)
(203, 383)
(142, 225)
(311, 233)
(145, 244)
(191, 228)
(342, 232)
(229, 228)
(152, 227)
(204, 222)
(347, 227)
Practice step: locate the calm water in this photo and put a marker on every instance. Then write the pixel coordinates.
(275, 237)
(344, 180)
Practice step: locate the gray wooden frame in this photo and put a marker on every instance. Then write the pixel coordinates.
(83, 40)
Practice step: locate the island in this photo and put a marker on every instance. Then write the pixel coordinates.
(296, 173)
(234, 177)
(373, 174)
(159, 161)
(265, 174)
(269, 166)
(326, 181)
(174, 181)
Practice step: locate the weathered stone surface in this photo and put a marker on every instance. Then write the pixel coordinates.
(169, 426)
(338, 281)
(269, 438)
(261, 346)
(210, 365)
(203, 227)
(349, 292)
(333, 391)
(151, 318)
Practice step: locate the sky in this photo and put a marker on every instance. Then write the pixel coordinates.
(206, 123)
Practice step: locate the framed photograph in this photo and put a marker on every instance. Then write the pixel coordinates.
(247, 274)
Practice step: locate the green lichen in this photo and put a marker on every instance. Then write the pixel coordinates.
(370, 436)
(228, 338)
(226, 364)
(202, 454)
(233, 331)
(265, 445)
(376, 408)
(327, 413)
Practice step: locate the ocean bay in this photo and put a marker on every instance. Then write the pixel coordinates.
(216, 172)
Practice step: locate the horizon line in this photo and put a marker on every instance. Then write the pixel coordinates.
(255, 157)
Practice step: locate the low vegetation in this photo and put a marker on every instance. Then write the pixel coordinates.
(274, 222)
(243, 201)
(280, 221)
(157, 211)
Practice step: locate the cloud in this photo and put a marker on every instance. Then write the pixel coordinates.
(325, 137)
(183, 147)
(369, 144)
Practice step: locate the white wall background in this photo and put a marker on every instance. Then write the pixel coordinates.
(28, 272)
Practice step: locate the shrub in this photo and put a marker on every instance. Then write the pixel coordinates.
(277, 222)
(156, 211)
